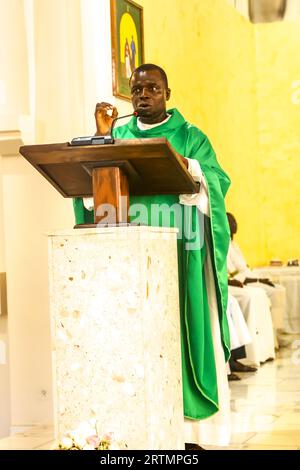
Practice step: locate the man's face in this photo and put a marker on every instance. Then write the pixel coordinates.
(149, 95)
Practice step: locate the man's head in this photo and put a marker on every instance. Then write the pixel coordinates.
(149, 93)
(232, 224)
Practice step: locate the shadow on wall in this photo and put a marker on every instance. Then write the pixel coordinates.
(267, 11)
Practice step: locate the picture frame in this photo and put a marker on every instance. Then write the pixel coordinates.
(127, 44)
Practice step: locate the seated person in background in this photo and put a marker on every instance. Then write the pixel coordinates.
(256, 308)
(237, 266)
(240, 274)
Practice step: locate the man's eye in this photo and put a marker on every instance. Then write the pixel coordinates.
(135, 91)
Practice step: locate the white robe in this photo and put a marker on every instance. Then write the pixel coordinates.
(238, 269)
(238, 329)
(255, 306)
(215, 430)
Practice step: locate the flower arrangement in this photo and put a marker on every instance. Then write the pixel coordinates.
(86, 437)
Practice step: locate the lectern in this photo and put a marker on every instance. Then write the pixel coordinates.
(114, 303)
(111, 173)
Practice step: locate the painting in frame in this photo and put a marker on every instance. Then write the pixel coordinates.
(127, 41)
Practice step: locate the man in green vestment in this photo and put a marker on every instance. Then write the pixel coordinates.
(149, 94)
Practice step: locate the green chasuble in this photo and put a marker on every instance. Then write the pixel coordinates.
(200, 390)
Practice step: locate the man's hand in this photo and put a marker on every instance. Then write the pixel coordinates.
(103, 119)
(235, 283)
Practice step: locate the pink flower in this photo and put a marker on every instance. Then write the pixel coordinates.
(93, 440)
(108, 437)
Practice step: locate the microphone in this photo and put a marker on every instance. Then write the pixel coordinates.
(135, 113)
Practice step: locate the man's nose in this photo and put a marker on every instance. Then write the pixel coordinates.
(145, 92)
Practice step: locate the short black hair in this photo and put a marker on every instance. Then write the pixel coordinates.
(232, 222)
(145, 67)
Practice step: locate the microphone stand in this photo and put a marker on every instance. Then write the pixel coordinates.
(116, 119)
(100, 139)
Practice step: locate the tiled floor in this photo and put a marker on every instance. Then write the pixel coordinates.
(265, 410)
(39, 437)
(265, 405)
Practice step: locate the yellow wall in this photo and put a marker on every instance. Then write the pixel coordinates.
(228, 77)
(278, 68)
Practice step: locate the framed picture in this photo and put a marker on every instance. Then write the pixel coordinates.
(127, 44)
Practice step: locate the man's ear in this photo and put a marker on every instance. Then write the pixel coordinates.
(168, 94)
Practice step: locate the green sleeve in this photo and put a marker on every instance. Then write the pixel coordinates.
(199, 148)
(82, 215)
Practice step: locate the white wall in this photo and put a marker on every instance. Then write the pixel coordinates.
(31, 208)
(4, 366)
(14, 64)
(5, 416)
(65, 69)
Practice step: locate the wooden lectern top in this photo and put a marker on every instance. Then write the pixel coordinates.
(151, 165)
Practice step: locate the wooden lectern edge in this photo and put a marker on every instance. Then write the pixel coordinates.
(122, 142)
(128, 142)
(106, 225)
(67, 145)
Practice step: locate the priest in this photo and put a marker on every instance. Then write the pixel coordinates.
(202, 261)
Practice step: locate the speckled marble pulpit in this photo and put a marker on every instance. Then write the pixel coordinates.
(116, 334)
